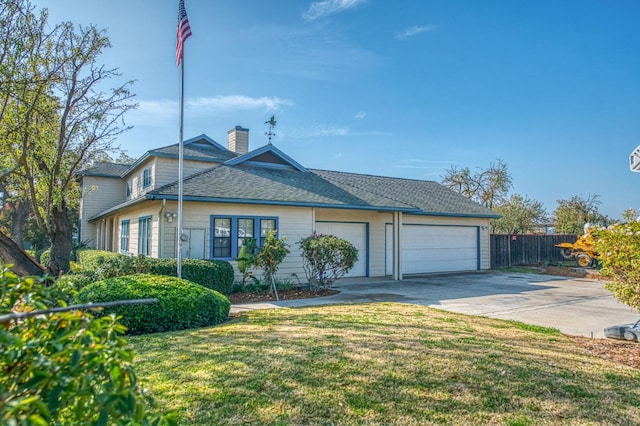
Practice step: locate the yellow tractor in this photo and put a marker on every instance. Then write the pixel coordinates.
(583, 250)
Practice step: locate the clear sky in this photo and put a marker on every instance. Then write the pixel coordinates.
(403, 88)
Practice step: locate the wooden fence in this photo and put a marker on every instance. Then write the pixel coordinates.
(510, 250)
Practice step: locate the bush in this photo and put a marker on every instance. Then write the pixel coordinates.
(619, 249)
(214, 274)
(66, 367)
(181, 304)
(326, 258)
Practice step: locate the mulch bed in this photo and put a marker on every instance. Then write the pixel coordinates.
(263, 296)
(618, 351)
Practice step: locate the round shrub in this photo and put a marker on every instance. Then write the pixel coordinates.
(181, 303)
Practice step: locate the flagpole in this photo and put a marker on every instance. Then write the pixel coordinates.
(180, 170)
(183, 33)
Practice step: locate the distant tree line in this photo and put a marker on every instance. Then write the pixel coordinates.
(520, 214)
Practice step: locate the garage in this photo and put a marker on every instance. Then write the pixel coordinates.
(356, 234)
(434, 248)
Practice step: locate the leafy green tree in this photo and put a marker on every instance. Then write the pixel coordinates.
(520, 215)
(271, 255)
(64, 367)
(619, 249)
(57, 116)
(487, 187)
(571, 215)
(326, 258)
(247, 257)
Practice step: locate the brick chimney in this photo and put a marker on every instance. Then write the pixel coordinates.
(238, 140)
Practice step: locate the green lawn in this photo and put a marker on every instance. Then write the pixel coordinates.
(382, 364)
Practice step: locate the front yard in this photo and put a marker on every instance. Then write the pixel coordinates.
(382, 364)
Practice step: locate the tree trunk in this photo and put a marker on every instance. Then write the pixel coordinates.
(61, 241)
(19, 215)
(23, 264)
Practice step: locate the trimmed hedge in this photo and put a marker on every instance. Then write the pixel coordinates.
(181, 304)
(214, 274)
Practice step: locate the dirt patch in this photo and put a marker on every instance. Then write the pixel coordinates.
(565, 271)
(618, 351)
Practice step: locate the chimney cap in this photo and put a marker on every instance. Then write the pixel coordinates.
(238, 128)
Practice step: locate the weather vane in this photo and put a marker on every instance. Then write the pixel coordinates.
(272, 124)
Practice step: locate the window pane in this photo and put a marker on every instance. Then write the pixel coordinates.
(245, 230)
(222, 227)
(144, 236)
(266, 225)
(222, 237)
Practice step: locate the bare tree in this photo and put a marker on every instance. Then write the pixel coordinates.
(56, 116)
(487, 187)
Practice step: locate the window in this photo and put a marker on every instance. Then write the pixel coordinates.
(124, 236)
(129, 188)
(222, 237)
(144, 235)
(146, 177)
(229, 233)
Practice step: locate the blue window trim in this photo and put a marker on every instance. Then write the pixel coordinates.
(234, 232)
(146, 177)
(141, 219)
(126, 222)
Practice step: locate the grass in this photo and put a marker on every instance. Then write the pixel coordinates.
(521, 269)
(382, 364)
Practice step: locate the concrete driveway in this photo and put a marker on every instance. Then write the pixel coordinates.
(572, 305)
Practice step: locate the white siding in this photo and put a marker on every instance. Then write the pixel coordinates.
(98, 195)
(166, 169)
(294, 223)
(376, 221)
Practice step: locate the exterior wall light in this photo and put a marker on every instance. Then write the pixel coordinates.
(170, 216)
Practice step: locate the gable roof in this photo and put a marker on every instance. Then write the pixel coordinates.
(268, 176)
(250, 184)
(267, 156)
(103, 169)
(199, 148)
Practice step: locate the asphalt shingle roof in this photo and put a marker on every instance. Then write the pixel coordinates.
(321, 187)
(249, 182)
(106, 170)
(195, 151)
(274, 185)
(428, 196)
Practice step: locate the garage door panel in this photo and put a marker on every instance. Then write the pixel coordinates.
(356, 234)
(430, 248)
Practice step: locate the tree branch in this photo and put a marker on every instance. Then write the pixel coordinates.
(21, 315)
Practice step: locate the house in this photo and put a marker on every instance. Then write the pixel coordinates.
(400, 226)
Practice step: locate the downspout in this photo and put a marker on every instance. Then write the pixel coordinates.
(161, 228)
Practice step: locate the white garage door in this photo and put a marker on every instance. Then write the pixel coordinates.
(356, 234)
(430, 248)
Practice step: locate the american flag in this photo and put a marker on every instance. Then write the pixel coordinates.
(184, 31)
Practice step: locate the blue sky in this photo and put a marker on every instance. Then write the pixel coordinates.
(402, 88)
